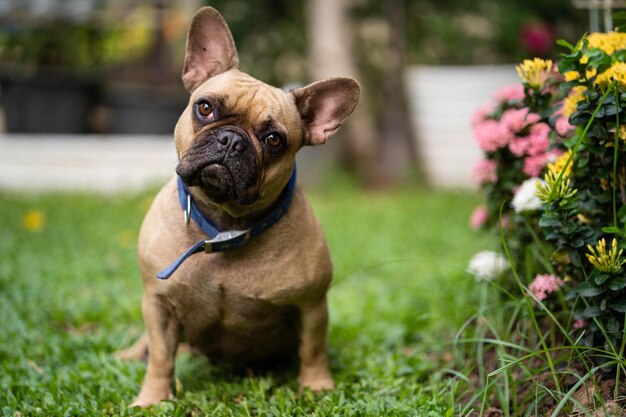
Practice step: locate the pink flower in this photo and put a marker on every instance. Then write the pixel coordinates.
(484, 171)
(538, 37)
(563, 127)
(479, 217)
(534, 144)
(538, 139)
(490, 135)
(516, 120)
(543, 285)
(519, 145)
(533, 165)
(510, 93)
(482, 113)
(579, 324)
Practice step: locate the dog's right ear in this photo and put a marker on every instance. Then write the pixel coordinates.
(324, 106)
(210, 48)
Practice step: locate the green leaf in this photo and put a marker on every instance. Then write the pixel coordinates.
(599, 114)
(619, 55)
(610, 110)
(579, 118)
(549, 220)
(566, 44)
(599, 279)
(619, 305)
(593, 311)
(589, 289)
(617, 283)
(612, 230)
(574, 257)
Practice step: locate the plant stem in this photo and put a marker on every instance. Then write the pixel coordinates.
(582, 136)
(615, 153)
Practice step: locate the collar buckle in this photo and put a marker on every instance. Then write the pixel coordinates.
(227, 240)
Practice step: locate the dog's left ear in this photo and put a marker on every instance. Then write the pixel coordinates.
(325, 105)
(210, 48)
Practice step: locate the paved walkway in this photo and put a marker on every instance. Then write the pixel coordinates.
(84, 162)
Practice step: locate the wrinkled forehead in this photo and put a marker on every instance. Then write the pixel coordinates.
(240, 94)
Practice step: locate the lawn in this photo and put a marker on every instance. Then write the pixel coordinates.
(70, 297)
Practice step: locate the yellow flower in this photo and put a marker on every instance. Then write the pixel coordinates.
(34, 220)
(534, 73)
(616, 72)
(558, 165)
(571, 75)
(622, 132)
(570, 102)
(607, 42)
(604, 261)
(562, 190)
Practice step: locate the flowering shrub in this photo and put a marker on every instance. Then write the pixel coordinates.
(566, 126)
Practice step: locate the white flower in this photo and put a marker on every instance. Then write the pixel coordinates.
(525, 198)
(487, 265)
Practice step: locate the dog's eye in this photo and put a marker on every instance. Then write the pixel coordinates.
(273, 140)
(204, 111)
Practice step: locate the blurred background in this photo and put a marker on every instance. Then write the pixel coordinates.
(103, 72)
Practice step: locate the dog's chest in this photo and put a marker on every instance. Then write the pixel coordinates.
(235, 308)
(225, 291)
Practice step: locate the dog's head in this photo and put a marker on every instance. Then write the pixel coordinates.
(237, 139)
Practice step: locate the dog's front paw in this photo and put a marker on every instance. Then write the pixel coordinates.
(319, 384)
(153, 391)
(146, 399)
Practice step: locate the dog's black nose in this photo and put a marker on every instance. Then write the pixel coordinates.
(238, 144)
(232, 141)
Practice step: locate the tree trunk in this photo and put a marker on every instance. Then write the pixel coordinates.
(330, 40)
(397, 151)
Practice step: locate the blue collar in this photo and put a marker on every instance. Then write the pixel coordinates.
(221, 240)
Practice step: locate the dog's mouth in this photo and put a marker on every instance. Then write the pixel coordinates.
(217, 182)
(222, 176)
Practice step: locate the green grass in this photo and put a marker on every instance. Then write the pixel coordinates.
(70, 297)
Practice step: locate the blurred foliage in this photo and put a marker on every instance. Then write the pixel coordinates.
(271, 37)
(52, 45)
(59, 42)
(489, 31)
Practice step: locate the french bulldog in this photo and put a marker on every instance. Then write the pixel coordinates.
(242, 263)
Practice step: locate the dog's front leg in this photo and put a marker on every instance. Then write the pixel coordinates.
(314, 370)
(163, 333)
